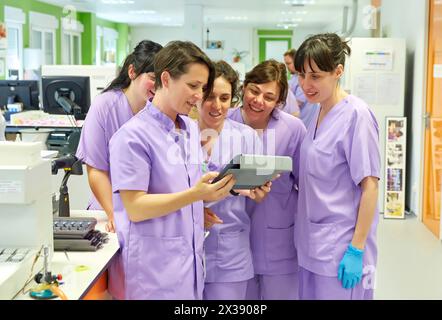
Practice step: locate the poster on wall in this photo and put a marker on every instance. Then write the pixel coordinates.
(378, 60)
(395, 156)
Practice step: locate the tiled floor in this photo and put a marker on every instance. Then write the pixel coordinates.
(409, 261)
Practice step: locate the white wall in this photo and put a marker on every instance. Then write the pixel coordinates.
(360, 29)
(162, 35)
(238, 38)
(415, 32)
(299, 35)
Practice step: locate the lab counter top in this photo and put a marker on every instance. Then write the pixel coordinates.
(81, 270)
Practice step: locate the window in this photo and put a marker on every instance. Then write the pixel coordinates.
(71, 48)
(14, 18)
(98, 46)
(71, 41)
(110, 46)
(44, 40)
(43, 28)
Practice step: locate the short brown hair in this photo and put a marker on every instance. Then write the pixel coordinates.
(291, 53)
(224, 70)
(176, 57)
(327, 50)
(268, 71)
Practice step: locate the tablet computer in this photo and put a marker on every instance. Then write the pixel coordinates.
(252, 171)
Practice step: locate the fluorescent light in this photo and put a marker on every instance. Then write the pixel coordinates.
(118, 1)
(142, 12)
(291, 20)
(298, 2)
(236, 18)
(287, 25)
(290, 13)
(172, 24)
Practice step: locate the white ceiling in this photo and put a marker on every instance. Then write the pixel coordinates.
(255, 13)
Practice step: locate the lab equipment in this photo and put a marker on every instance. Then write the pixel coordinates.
(47, 287)
(25, 213)
(71, 165)
(77, 234)
(251, 171)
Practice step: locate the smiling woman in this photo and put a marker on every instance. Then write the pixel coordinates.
(162, 237)
(124, 97)
(271, 234)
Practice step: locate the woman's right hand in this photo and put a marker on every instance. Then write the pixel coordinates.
(207, 191)
(110, 226)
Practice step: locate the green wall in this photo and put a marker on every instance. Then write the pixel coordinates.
(36, 6)
(88, 37)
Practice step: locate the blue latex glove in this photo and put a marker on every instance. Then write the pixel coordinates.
(350, 268)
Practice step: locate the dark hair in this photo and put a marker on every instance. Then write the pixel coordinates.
(268, 71)
(291, 53)
(142, 60)
(327, 50)
(176, 57)
(224, 70)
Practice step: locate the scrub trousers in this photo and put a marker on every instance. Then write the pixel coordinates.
(316, 287)
(225, 290)
(273, 287)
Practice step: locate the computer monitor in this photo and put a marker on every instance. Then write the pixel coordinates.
(24, 91)
(66, 95)
(99, 76)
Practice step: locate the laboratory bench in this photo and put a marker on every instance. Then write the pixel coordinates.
(84, 274)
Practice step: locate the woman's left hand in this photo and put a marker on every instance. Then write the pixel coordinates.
(258, 194)
(210, 218)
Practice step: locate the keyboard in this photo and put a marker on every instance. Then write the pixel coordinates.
(73, 228)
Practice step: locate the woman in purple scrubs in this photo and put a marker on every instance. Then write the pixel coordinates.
(158, 185)
(338, 180)
(272, 220)
(228, 255)
(125, 96)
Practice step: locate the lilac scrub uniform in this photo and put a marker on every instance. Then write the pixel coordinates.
(162, 257)
(273, 249)
(228, 254)
(333, 164)
(108, 112)
(291, 105)
(307, 110)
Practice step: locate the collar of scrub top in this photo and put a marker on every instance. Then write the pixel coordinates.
(165, 121)
(208, 164)
(275, 113)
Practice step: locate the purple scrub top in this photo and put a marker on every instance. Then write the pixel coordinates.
(291, 105)
(307, 110)
(227, 248)
(344, 152)
(162, 257)
(108, 112)
(272, 220)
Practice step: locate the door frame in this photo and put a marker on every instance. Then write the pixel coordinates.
(434, 227)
